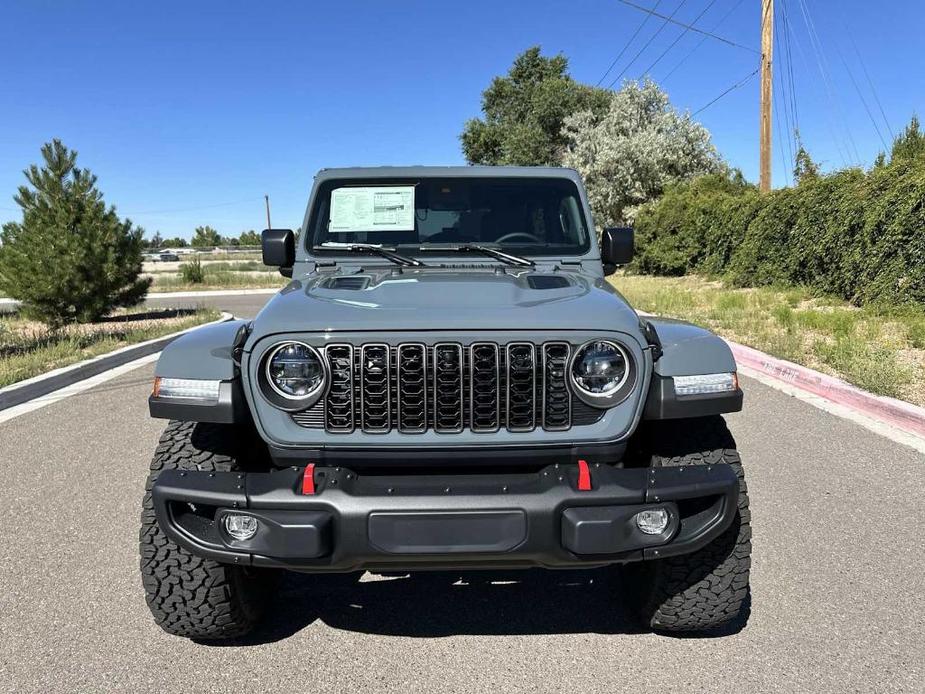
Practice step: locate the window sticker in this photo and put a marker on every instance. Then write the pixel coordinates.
(379, 208)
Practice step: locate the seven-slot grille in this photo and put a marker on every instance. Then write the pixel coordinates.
(447, 387)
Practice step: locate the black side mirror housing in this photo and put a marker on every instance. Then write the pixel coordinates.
(617, 245)
(278, 247)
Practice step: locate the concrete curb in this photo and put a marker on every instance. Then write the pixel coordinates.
(31, 388)
(896, 413)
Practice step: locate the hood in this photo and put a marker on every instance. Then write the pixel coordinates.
(479, 298)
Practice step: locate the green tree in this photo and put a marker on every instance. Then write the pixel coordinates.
(909, 145)
(175, 242)
(71, 259)
(524, 112)
(640, 144)
(206, 237)
(250, 238)
(155, 241)
(804, 168)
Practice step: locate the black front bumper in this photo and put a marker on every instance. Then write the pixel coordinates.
(405, 522)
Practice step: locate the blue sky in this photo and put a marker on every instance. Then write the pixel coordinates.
(188, 112)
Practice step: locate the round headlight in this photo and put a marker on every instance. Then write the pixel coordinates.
(599, 372)
(295, 371)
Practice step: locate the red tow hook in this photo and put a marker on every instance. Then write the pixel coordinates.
(308, 479)
(584, 477)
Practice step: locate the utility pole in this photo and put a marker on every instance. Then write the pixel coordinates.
(767, 54)
(266, 199)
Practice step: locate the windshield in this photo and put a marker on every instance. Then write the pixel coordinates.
(531, 216)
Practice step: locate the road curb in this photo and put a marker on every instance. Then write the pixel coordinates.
(31, 388)
(896, 413)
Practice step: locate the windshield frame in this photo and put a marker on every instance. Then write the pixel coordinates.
(324, 185)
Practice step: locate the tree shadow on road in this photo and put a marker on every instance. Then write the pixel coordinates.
(447, 603)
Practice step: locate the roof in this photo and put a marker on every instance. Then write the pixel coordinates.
(449, 172)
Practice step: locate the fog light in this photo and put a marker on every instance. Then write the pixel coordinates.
(652, 521)
(240, 527)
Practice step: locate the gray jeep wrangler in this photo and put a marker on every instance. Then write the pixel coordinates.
(449, 382)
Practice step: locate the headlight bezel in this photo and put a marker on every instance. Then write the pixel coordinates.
(279, 398)
(618, 394)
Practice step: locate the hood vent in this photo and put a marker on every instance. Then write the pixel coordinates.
(547, 281)
(353, 283)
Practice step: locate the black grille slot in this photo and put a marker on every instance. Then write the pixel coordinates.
(521, 386)
(557, 401)
(412, 388)
(312, 418)
(448, 387)
(375, 388)
(484, 387)
(338, 414)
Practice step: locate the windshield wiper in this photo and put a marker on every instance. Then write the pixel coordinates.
(484, 250)
(388, 253)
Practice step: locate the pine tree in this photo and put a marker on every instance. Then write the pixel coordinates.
(71, 259)
(206, 237)
(910, 144)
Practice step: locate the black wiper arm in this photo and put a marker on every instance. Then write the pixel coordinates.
(484, 250)
(387, 253)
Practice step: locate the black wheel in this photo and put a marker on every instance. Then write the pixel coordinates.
(706, 590)
(188, 595)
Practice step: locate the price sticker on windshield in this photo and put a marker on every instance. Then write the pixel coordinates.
(372, 208)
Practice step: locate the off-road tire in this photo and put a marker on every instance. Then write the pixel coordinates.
(706, 590)
(188, 595)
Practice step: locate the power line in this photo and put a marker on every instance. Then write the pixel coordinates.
(843, 152)
(702, 40)
(861, 97)
(788, 165)
(201, 207)
(781, 85)
(688, 26)
(648, 43)
(873, 89)
(627, 44)
(738, 84)
(816, 44)
(788, 49)
(680, 36)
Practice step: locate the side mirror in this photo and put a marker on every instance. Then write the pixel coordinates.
(278, 247)
(616, 247)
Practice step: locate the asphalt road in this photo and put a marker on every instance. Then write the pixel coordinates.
(837, 581)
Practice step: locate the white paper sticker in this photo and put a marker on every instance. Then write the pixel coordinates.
(380, 208)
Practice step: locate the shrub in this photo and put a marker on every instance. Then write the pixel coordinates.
(71, 259)
(192, 271)
(856, 235)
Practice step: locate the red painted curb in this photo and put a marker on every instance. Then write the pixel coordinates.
(897, 413)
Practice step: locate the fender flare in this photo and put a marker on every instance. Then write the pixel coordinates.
(688, 350)
(212, 353)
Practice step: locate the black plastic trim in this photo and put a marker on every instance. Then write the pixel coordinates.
(231, 407)
(663, 403)
(394, 522)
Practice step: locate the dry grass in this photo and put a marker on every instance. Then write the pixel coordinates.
(219, 279)
(29, 348)
(879, 349)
